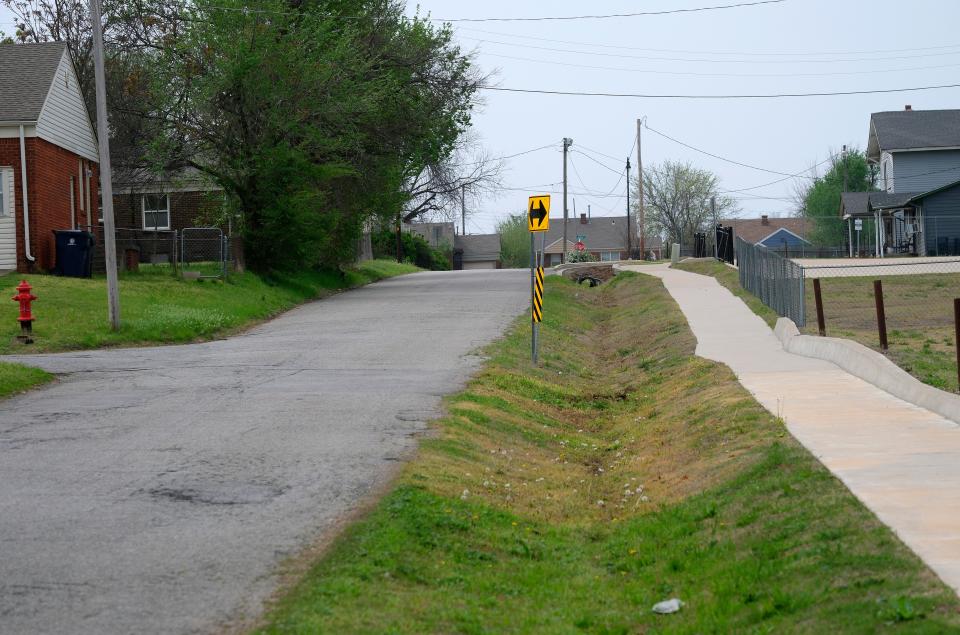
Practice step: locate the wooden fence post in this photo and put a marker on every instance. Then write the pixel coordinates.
(821, 324)
(881, 316)
(956, 326)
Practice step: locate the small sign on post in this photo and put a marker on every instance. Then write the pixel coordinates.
(538, 221)
(538, 213)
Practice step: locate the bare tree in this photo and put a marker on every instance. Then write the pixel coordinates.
(678, 200)
(437, 190)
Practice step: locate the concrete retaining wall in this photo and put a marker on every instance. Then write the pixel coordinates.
(869, 365)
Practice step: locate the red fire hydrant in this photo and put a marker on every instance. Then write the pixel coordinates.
(24, 297)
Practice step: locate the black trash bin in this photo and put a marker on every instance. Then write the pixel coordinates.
(74, 253)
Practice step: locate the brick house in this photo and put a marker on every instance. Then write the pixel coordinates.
(175, 201)
(48, 149)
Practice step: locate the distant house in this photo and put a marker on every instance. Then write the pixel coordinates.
(438, 235)
(605, 237)
(48, 150)
(186, 198)
(770, 232)
(477, 251)
(918, 157)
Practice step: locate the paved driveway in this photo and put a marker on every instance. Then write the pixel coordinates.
(157, 489)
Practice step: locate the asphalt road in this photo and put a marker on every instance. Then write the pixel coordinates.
(158, 490)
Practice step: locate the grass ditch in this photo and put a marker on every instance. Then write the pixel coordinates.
(623, 471)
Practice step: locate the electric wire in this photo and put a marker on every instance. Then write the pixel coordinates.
(526, 36)
(745, 96)
(613, 15)
(620, 69)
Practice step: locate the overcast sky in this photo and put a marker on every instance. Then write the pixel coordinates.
(792, 46)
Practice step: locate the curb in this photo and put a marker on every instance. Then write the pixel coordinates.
(870, 366)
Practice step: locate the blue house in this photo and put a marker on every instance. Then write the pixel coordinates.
(917, 211)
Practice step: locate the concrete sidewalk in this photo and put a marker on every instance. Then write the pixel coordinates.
(902, 461)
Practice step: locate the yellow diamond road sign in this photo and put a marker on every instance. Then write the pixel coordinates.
(538, 213)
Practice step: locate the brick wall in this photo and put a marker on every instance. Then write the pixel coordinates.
(187, 209)
(49, 168)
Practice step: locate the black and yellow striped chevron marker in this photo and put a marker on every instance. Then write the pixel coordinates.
(538, 296)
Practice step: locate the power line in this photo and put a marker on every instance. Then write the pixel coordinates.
(722, 158)
(705, 60)
(702, 52)
(613, 15)
(603, 165)
(613, 158)
(511, 156)
(745, 96)
(621, 69)
(786, 178)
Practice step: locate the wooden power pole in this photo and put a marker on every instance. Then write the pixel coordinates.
(566, 146)
(641, 220)
(106, 183)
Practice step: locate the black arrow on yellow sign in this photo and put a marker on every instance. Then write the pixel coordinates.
(538, 213)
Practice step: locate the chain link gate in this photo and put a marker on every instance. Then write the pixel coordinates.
(203, 252)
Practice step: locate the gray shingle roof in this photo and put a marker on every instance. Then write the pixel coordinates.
(479, 247)
(601, 233)
(910, 129)
(862, 203)
(26, 72)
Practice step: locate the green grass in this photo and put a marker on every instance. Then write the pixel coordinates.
(16, 378)
(918, 308)
(728, 277)
(157, 308)
(919, 315)
(623, 471)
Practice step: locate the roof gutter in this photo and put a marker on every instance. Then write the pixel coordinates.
(26, 198)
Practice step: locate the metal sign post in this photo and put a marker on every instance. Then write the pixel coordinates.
(858, 225)
(538, 220)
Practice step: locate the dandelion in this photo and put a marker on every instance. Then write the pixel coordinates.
(465, 494)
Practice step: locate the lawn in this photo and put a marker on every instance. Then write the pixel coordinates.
(919, 315)
(157, 308)
(623, 471)
(918, 308)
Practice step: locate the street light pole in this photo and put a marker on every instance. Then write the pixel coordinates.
(106, 183)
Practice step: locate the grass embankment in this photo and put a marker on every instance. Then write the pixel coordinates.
(729, 278)
(918, 308)
(157, 308)
(621, 472)
(919, 315)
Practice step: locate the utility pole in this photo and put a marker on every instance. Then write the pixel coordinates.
(643, 225)
(629, 235)
(106, 183)
(713, 211)
(463, 210)
(567, 142)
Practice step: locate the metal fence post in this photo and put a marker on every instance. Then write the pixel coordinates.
(821, 325)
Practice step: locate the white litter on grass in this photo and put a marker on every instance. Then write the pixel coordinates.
(667, 606)
(465, 495)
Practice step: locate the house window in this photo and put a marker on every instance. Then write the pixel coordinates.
(156, 211)
(6, 191)
(607, 256)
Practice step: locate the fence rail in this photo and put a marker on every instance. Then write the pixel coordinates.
(776, 280)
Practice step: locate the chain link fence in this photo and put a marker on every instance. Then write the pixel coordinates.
(904, 306)
(776, 280)
(204, 252)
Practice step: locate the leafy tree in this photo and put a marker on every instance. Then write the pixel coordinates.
(819, 199)
(677, 201)
(514, 241)
(311, 117)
